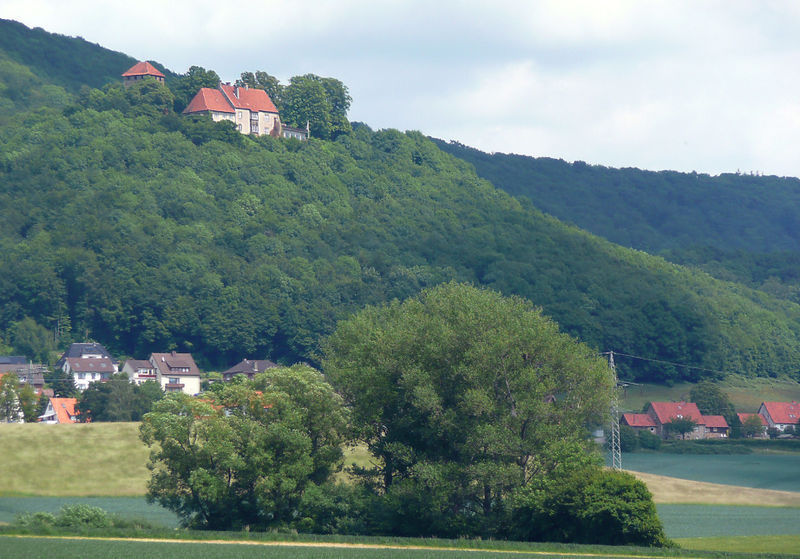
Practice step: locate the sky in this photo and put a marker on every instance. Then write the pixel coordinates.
(705, 86)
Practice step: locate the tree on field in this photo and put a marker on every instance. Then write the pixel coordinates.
(680, 426)
(711, 400)
(238, 457)
(459, 393)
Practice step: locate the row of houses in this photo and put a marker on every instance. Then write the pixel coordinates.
(657, 416)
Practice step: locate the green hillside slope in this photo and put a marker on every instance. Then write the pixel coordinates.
(741, 228)
(150, 231)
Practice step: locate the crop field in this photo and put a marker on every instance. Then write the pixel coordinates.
(745, 544)
(695, 521)
(671, 490)
(761, 471)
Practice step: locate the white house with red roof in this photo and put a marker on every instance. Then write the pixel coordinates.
(176, 372)
(251, 110)
(140, 71)
(780, 415)
(60, 410)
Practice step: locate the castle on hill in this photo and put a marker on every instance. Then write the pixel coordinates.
(250, 110)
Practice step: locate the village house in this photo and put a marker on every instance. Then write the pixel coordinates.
(639, 422)
(85, 350)
(31, 374)
(60, 410)
(86, 370)
(140, 71)
(176, 372)
(249, 368)
(780, 415)
(716, 427)
(139, 371)
(664, 412)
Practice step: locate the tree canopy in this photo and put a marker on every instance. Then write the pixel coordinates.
(460, 394)
(243, 458)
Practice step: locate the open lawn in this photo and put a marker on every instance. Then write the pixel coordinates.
(79, 459)
(746, 394)
(707, 521)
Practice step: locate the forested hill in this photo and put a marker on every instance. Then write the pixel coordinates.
(737, 227)
(126, 223)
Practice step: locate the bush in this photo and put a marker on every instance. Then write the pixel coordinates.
(75, 516)
(649, 440)
(35, 519)
(593, 506)
(628, 441)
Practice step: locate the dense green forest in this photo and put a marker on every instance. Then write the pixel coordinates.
(124, 222)
(737, 227)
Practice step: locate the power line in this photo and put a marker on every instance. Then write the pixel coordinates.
(662, 362)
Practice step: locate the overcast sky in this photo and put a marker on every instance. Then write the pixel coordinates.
(697, 85)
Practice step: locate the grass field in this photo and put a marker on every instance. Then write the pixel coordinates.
(696, 521)
(78, 459)
(746, 394)
(745, 544)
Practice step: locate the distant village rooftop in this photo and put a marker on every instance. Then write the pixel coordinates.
(139, 71)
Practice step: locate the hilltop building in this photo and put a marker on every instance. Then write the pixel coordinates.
(251, 110)
(140, 71)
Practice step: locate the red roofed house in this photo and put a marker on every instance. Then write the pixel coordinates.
(780, 415)
(176, 372)
(716, 427)
(639, 421)
(60, 410)
(140, 71)
(745, 416)
(86, 370)
(665, 412)
(251, 110)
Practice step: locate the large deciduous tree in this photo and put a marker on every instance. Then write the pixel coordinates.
(712, 400)
(322, 102)
(240, 457)
(461, 393)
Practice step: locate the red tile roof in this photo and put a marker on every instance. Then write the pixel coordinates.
(65, 409)
(208, 99)
(717, 421)
(745, 416)
(142, 69)
(783, 412)
(638, 420)
(666, 411)
(253, 99)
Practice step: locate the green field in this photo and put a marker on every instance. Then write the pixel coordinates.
(79, 459)
(761, 471)
(745, 544)
(746, 394)
(695, 521)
